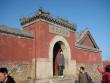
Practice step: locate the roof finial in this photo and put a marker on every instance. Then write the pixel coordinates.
(42, 11)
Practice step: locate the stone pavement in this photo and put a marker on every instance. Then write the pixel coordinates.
(64, 80)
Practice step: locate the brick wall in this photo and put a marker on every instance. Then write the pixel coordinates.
(15, 49)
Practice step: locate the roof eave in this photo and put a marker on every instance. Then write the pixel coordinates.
(50, 19)
(87, 48)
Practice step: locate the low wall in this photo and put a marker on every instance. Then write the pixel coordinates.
(24, 72)
(44, 68)
(21, 72)
(92, 71)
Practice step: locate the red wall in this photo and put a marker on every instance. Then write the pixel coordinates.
(17, 49)
(43, 38)
(86, 56)
(14, 49)
(88, 42)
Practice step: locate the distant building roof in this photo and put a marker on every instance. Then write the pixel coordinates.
(80, 35)
(13, 31)
(78, 38)
(106, 62)
(46, 16)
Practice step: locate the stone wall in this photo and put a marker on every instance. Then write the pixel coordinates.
(20, 71)
(45, 69)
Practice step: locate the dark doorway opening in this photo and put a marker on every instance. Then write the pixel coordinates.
(56, 48)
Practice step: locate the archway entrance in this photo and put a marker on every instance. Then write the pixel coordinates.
(58, 45)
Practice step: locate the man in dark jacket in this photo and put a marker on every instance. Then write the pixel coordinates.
(83, 76)
(4, 77)
(60, 62)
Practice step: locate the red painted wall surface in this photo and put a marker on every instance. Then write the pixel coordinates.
(14, 49)
(88, 42)
(43, 38)
(86, 56)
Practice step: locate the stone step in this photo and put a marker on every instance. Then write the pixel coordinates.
(64, 80)
(69, 81)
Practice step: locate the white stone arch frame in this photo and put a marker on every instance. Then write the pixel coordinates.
(67, 54)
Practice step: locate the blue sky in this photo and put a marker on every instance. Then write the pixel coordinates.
(92, 14)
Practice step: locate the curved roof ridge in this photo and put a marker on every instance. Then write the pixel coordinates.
(46, 16)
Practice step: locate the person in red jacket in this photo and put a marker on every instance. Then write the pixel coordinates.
(105, 73)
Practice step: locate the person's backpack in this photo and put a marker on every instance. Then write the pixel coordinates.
(89, 78)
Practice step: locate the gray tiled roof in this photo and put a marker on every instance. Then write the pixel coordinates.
(87, 47)
(80, 35)
(13, 31)
(46, 16)
(77, 36)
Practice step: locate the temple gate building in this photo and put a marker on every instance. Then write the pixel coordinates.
(30, 54)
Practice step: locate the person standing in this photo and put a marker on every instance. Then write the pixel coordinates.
(4, 77)
(83, 76)
(60, 62)
(105, 73)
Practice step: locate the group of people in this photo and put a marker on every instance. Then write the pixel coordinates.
(84, 77)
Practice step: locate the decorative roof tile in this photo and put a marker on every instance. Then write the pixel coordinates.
(46, 16)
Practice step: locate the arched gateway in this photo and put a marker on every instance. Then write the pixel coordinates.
(56, 43)
(31, 52)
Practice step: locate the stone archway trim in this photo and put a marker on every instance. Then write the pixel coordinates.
(67, 55)
(52, 43)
